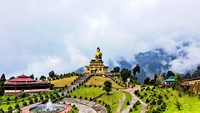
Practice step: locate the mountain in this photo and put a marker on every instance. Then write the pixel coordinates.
(151, 62)
(80, 70)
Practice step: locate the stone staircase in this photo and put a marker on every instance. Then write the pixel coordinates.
(79, 81)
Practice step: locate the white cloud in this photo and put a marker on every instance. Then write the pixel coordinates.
(71, 30)
(189, 62)
(43, 65)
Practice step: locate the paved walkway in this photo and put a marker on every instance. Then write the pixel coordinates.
(89, 106)
(121, 101)
(84, 108)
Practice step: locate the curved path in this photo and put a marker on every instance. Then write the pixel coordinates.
(133, 101)
(86, 106)
(121, 101)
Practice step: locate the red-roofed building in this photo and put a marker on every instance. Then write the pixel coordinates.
(23, 82)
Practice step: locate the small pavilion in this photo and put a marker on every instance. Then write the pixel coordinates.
(169, 81)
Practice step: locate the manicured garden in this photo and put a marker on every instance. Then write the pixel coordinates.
(10, 102)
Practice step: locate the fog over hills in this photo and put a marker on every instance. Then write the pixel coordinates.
(154, 61)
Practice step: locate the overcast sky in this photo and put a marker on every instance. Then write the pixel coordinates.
(37, 36)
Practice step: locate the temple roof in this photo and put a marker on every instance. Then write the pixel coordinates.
(22, 78)
(170, 79)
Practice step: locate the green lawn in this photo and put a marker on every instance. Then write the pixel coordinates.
(89, 92)
(128, 99)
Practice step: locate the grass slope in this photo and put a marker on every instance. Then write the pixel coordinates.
(62, 82)
(99, 81)
(190, 104)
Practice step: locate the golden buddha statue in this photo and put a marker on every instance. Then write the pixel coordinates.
(98, 54)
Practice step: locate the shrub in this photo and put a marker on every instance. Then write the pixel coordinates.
(10, 108)
(80, 97)
(1, 111)
(159, 101)
(138, 102)
(128, 103)
(179, 94)
(36, 100)
(24, 104)
(178, 105)
(153, 102)
(147, 100)
(16, 106)
(74, 96)
(30, 101)
(163, 106)
(8, 99)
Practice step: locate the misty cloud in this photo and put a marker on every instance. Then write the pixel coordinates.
(38, 36)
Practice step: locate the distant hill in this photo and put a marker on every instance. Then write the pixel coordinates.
(151, 62)
(80, 70)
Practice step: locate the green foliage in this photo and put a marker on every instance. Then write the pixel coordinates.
(116, 69)
(24, 104)
(32, 76)
(178, 105)
(17, 106)
(30, 101)
(107, 86)
(147, 80)
(125, 73)
(52, 74)
(42, 78)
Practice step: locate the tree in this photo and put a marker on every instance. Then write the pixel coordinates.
(32, 76)
(42, 78)
(154, 79)
(11, 77)
(51, 74)
(177, 77)
(2, 90)
(16, 106)
(125, 73)
(170, 73)
(107, 86)
(147, 80)
(116, 69)
(136, 69)
(3, 79)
